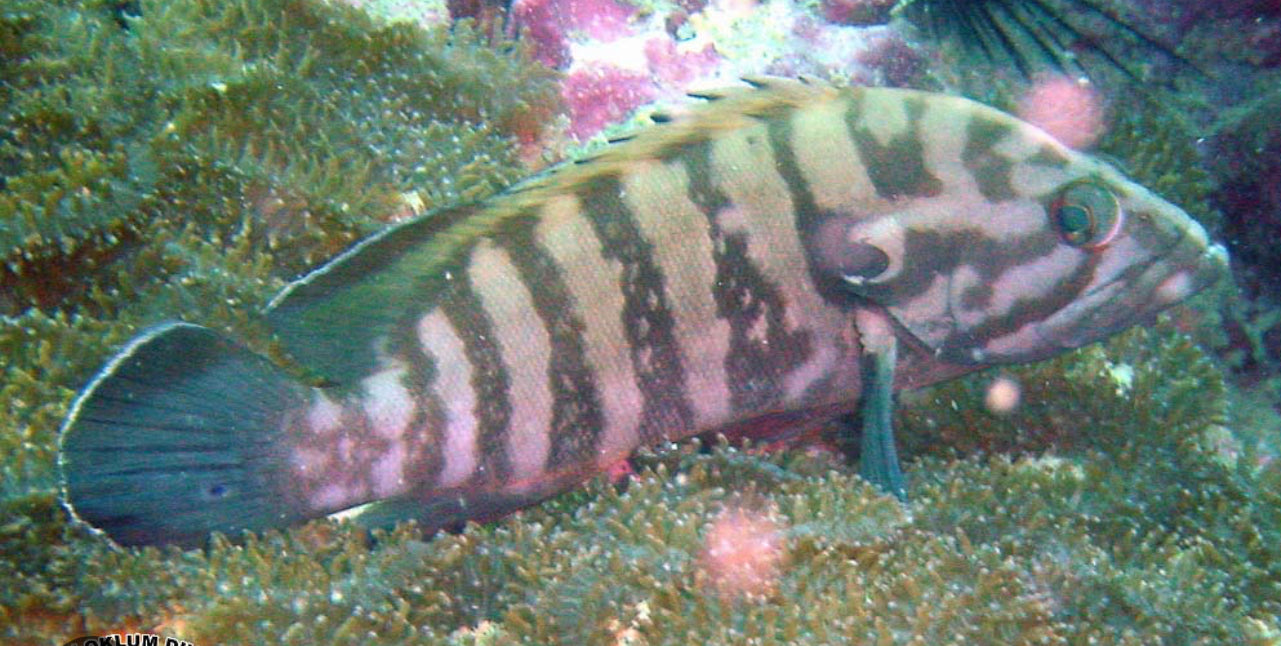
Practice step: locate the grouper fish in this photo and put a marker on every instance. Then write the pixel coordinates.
(781, 255)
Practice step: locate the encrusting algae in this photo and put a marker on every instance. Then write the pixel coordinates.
(1104, 509)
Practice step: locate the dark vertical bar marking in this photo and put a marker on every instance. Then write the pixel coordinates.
(744, 295)
(647, 319)
(897, 169)
(807, 217)
(577, 420)
(990, 170)
(424, 437)
(490, 379)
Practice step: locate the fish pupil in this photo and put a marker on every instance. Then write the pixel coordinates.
(1076, 223)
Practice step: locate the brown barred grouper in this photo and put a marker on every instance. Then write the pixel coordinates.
(780, 256)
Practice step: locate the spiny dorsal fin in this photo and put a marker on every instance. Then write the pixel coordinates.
(731, 109)
(332, 319)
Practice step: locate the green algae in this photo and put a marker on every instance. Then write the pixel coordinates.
(300, 124)
(1116, 505)
(186, 163)
(1117, 523)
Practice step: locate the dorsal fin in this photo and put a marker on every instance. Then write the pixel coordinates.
(731, 109)
(331, 319)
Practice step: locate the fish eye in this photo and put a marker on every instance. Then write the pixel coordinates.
(215, 491)
(1086, 214)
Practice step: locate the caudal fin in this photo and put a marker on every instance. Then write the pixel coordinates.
(179, 437)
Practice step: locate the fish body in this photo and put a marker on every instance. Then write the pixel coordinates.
(788, 251)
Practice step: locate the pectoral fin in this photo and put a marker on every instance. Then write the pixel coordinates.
(878, 457)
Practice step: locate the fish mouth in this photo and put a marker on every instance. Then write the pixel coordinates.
(1114, 306)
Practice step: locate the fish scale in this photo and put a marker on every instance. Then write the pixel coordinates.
(787, 253)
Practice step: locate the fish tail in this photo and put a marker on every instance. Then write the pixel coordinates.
(180, 436)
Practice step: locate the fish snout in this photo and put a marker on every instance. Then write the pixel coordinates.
(1189, 267)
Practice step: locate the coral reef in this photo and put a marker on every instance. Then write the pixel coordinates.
(1130, 528)
(429, 13)
(184, 158)
(299, 137)
(619, 56)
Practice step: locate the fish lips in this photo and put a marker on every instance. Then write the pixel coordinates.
(1121, 303)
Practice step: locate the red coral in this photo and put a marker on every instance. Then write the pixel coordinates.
(892, 59)
(600, 94)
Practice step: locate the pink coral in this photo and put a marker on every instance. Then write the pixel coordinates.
(743, 554)
(628, 74)
(600, 94)
(617, 58)
(614, 62)
(1070, 110)
(676, 67)
(553, 25)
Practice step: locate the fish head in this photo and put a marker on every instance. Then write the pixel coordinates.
(1025, 249)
